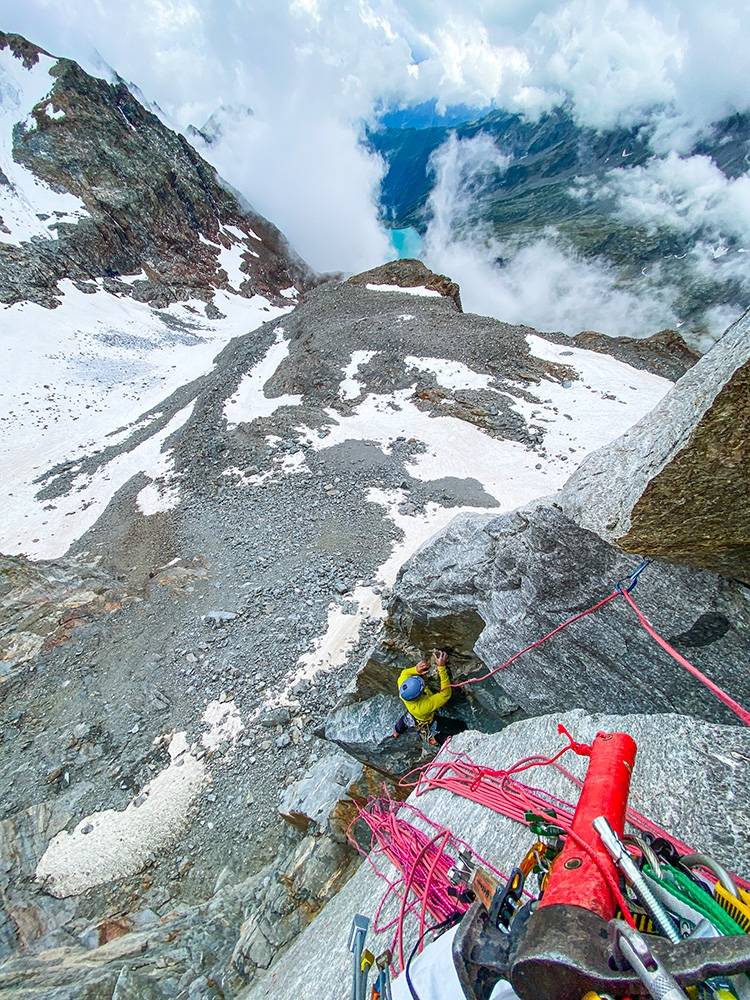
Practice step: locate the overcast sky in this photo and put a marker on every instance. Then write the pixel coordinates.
(312, 70)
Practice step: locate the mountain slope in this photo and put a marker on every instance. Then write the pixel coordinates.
(149, 206)
(151, 266)
(208, 496)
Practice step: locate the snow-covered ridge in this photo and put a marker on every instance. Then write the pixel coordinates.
(51, 131)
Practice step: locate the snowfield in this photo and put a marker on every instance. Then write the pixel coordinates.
(84, 376)
(77, 379)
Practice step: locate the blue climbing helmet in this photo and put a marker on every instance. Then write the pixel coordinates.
(411, 688)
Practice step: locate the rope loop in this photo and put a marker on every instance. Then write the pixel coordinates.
(582, 749)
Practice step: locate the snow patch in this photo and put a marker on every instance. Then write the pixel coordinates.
(109, 845)
(350, 386)
(129, 279)
(235, 232)
(607, 398)
(451, 374)
(75, 512)
(293, 465)
(249, 401)
(610, 397)
(80, 380)
(412, 290)
(225, 724)
(230, 260)
(157, 498)
(49, 110)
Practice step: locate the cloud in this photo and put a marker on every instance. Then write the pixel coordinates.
(328, 209)
(313, 70)
(543, 283)
(616, 60)
(544, 286)
(464, 171)
(687, 194)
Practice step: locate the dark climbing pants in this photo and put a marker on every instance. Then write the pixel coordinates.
(445, 726)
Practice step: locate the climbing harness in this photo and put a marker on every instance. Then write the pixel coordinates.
(426, 730)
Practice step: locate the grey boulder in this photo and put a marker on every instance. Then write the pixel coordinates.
(365, 730)
(320, 799)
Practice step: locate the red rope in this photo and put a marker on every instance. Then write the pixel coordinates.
(428, 881)
(499, 791)
(513, 799)
(734, 706)
(731, 704)
(533, 645)
(421, 860)
(409, 879)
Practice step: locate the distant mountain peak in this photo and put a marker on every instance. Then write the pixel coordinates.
(215, 126)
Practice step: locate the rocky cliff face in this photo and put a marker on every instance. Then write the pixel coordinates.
(677, 484)
(486, 587)
(155, 211)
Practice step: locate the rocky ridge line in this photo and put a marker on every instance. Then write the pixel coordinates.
(156, 207)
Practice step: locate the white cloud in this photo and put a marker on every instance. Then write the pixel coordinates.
(687, 194)
(540, 284)
(464, 169)
(615, 59)
(543, 286)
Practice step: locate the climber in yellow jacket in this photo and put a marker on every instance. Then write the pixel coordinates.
(422, 705)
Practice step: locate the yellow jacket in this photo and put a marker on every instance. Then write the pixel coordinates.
(424, 707)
